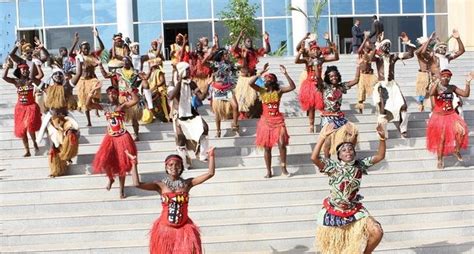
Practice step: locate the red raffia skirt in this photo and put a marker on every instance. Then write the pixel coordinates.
(309, 96)
(270, 131)
(27, 119)
(111, 158)
(446, 125)
(165, 239)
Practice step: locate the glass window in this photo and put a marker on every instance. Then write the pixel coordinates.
(341, 7)
(276, 8)
(279, 33)
(55, 12)
(198, 30)
(436, 6)
(174, 9)
(106, 33)
(146, 10)
(30, 14)
(145, 33)
(105, 11)
(199, 9)
(222, 31)
(80, 12)
(389, 6)
(365, 7)
(438, 23)
(412, 6)
(311, 8)
(220, 5)
(62, 37)
(323, 27)
(412, 25)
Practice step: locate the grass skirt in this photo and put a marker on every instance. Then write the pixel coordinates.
(70, 146)
(346, 133)
(27, 119)
(446, 125)
(422, 83)
(349, 239)
(245, 94)
(222, 109)
(57, 166)
(111, 157)
(135, 112)
(84, 87)
(165, 239)
(71, 102)
(55, 97)
(270, 131)
(202, 84)
(309, 97)
(366, 86)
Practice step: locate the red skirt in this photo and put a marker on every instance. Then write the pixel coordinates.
(111, 158)
(165, 239)
(309, 96)
(445, 125)
(27, 119)
(271, 130)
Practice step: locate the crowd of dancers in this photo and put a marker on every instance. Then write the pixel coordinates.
(237, 90)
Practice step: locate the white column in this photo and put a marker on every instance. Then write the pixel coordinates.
(125, 18)
(299, 22)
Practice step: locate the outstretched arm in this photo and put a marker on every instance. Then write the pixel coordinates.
(13, 55)
(6, 78)
(301, 43)
(136, 176)
(325, 132)
(237, 42)
(357, 75)
(210, 173)
(298, 59)
(467, 89)
(331, 58)
(291, 83)
(74, 44)
(44, 54)
(380, 155)
(101, 44)
(411, 48)
(461, 49)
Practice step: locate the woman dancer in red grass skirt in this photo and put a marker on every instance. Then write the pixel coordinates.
(27, 112)
(110, 158)
(271, 129)
(446, 131)
(174, 231)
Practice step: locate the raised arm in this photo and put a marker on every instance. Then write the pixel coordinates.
(96, 34)
(136, 176)
(424, 46)
(291, 83)
(74, 44)
(130, 103)
(44, 54)
(461, 49)
(13, 56)
(467, 89)
(357, 75)
(331, 58)
(237, 42)
(211, 171)
(105, 73)
(182, 52)
(298, 59)
(6, 78)
(380, 155)
(325, 132)
(301, 43)
(78, 74)
(216, 42)
(411, 48)
(434, 89)
(254, 78)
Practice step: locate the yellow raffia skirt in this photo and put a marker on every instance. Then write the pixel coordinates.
(57, 166)
(245, 94)
(366, 86)
(349, 239)
(202, 83)
(135, 112)
(55, 97)
(346, 133)
(84, 87)
(422, 83)
(222, 109)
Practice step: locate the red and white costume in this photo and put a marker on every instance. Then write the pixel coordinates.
(27, 112)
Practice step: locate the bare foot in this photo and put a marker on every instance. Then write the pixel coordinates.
(404, 134)
(311, 129)
(218, 134)
(440, 164)
(109, 185)
(136, 138)
(458, 156)
(89, 125)
(122, 195)
(35, 146)
(269, 175)
(285, 172)
(27, 154)
(97, 113)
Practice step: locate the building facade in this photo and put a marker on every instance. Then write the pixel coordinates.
(56, 21)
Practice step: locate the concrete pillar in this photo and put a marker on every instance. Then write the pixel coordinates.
(300, 23)
(125, 18)
(459, 17)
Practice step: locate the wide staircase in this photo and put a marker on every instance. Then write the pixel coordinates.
(422, 209)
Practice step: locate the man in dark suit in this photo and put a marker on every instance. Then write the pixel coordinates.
(376, 33)
(357, 36)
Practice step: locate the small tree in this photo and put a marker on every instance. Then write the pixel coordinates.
(317, 9)
(239, 16)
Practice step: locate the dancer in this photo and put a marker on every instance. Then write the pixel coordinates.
(179, 48)
(118, 51)
(63, 131)
(446, 131)
(88, 79)
(388, 97)
(224, 103)
(187, 123)
(59, 94)
(423, 78)
(199, 63)
(309, 99)
(137, 59)
(344, 225)
(157, 83)
(332, 90)
(271, 128)
(249, 106)
(27, 112)
(154, 55)
(174, 231)
(367, 76)
(110, 156)
(30, 56)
